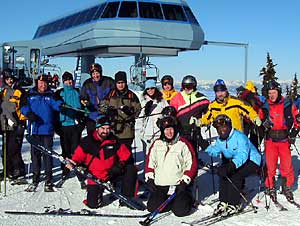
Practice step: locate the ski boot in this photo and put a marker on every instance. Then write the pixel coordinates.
(221, 208)
(32, 187)
(272, 193)
(231, 210)
(49, 187)
(286, 191)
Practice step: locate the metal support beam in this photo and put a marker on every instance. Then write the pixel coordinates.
(233, 44)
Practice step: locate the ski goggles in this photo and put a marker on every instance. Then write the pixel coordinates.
(221, 121)
(188, 86)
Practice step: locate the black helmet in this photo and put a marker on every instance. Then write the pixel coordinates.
(189, 81)
(272, 84)
(169, 111)
(95, 67)
(67, 76)
(221, 120)
(220, 85)
(167, 122)
(167, 78)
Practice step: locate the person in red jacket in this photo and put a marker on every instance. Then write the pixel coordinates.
(104, 158)
(279, 119)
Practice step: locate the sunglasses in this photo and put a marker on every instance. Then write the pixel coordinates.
(167, 83)
(121, 82)
(150, 88)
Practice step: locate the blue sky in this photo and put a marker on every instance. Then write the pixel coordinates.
(267, 26)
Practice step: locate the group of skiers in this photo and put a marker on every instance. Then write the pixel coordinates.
(171, 124)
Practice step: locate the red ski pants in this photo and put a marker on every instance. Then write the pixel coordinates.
(274, 150)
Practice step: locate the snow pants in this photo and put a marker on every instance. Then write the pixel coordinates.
(36, 158)
(227, 191)
(181, 205)
(274, 150)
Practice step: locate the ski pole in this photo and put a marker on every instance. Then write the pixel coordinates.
(152, 215)
(4, 152)
(241, 194)
(262, 174)
(87, 175)
(212, 163)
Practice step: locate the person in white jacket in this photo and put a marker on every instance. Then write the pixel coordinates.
(152, 105)
(171, 166)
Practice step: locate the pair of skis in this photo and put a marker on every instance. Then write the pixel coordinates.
(68, 212)
(212, 219)
(87, 175)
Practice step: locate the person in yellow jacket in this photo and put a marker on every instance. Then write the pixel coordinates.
(231, 106)
(168, 90)
(13, 123)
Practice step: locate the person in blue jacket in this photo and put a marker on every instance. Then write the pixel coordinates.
(93, 92)
(40, 108)
(241, 159)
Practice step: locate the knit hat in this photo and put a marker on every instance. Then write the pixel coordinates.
(150, 84)
(102, 120)
(250, 86)
(121, 76)
(67, 76)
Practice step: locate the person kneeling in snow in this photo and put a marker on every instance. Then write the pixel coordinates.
(105, 158)
(241, 159)
(171, 166)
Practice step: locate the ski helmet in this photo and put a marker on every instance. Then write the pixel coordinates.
(169, 111)
(167, 122)
(220, 121)
(189, 81)
(272, 84)
(220, 85)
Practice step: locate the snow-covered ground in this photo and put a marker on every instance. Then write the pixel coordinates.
(71, 196)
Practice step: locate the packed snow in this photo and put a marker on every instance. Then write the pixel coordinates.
(70, 196)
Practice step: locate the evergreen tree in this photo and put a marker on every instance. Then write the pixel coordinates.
(268, 74)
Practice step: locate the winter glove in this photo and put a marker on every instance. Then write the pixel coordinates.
(103, 108)
(268, 124)
(112, 113)
(257, 121)
(226, 170)
(63, 108)
(127, 110)
(116, 170)
(32, 117)
(181, 187)
(151, 186)
(148, 107)
(85, 103)
(298, 118)
(292, 136)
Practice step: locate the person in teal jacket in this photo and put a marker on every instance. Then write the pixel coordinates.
(240, 160)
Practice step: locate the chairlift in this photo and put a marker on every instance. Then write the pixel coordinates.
(143, 70)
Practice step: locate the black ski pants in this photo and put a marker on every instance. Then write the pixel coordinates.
(227, 192)
(181, 205)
